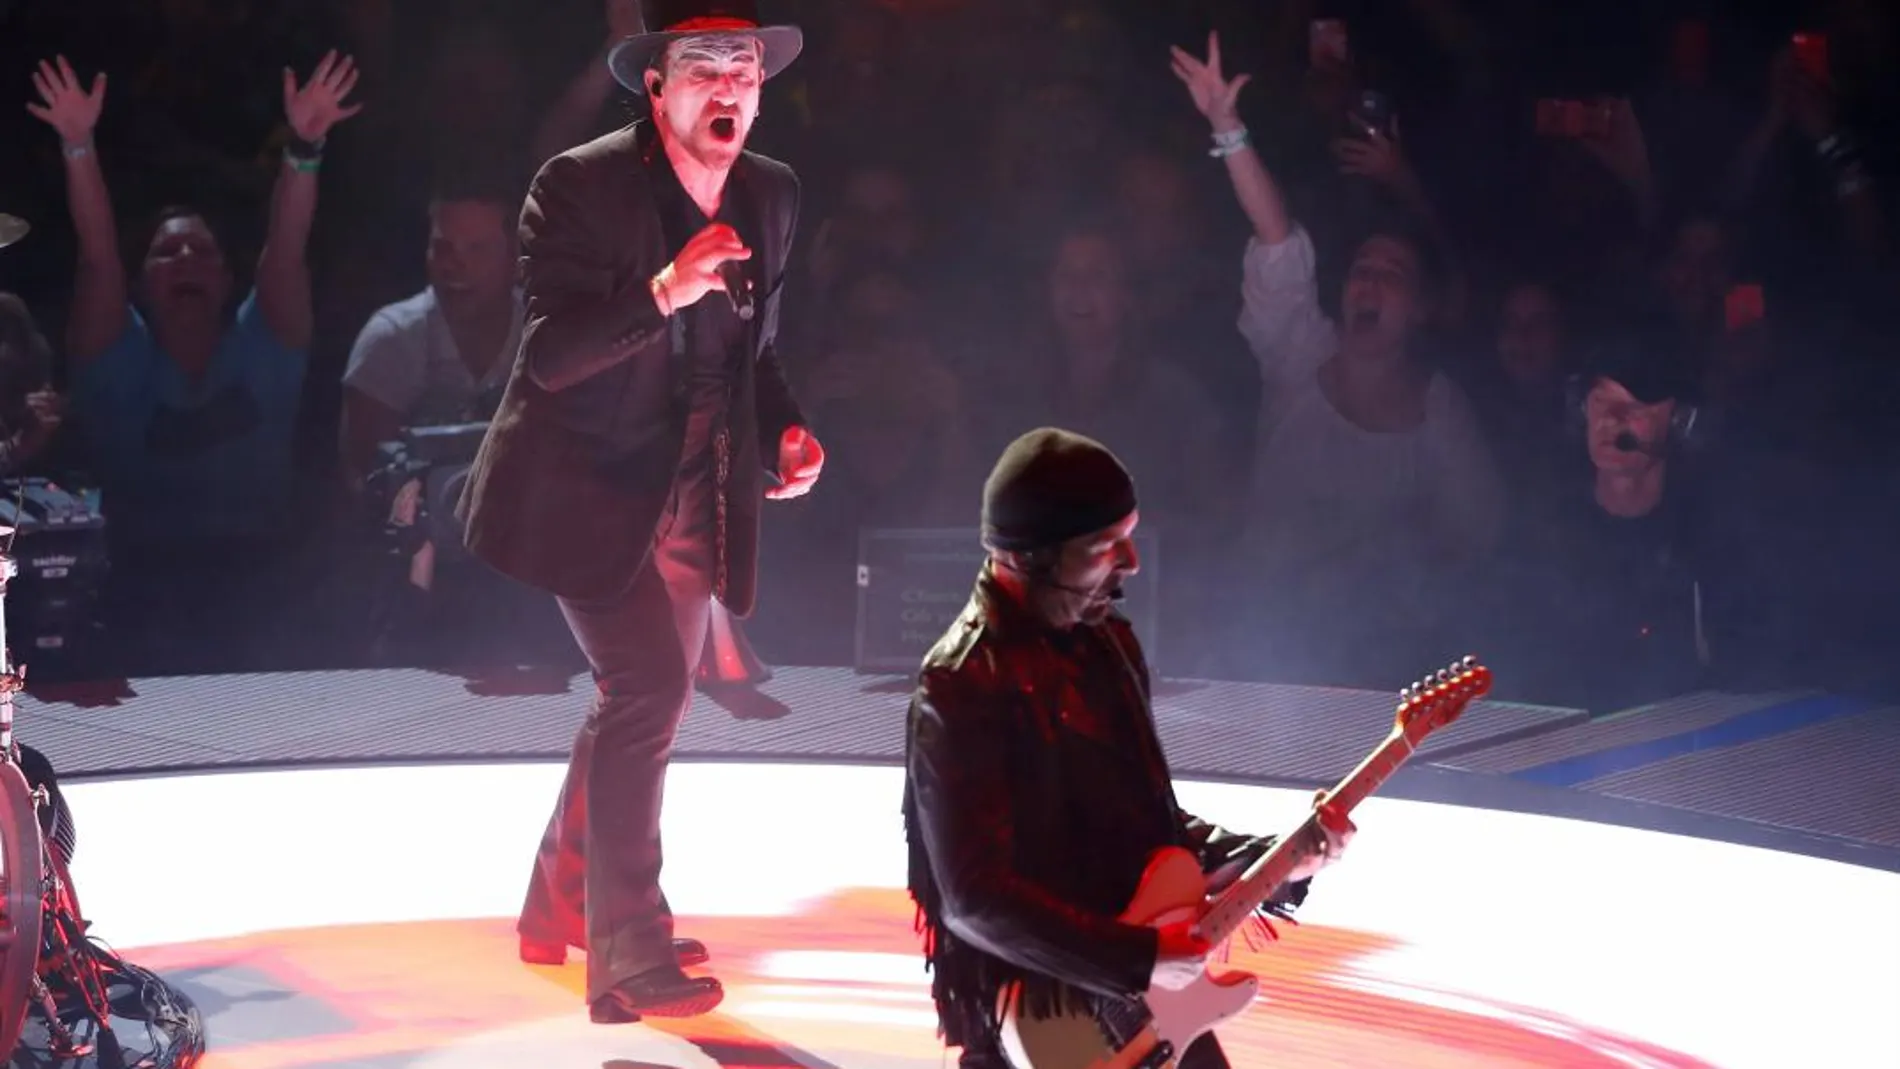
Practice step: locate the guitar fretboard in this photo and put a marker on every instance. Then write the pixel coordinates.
(1237, 903)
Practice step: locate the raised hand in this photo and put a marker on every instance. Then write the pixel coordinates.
(65, 105)
(1373, 156)
(1795, 94)
(1621, 148)
(318, 105)
(1213, 92)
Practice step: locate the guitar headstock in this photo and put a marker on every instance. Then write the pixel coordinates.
(1440, 698)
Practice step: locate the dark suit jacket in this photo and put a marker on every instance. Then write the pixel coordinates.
(579, 460)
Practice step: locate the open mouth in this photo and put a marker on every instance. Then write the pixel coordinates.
(725, 128)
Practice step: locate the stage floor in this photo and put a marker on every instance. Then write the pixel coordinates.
(361, 917)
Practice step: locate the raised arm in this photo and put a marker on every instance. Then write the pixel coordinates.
(283, 269)
(570, 120)
(956, 793)
(100, 304)
(1215, 97)
(1280, 314)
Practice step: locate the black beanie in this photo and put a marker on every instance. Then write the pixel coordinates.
(1050, 486)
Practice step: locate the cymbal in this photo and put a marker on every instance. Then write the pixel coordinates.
(12, 229)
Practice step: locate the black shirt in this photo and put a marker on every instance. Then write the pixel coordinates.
(716, 339)
(1610, 606)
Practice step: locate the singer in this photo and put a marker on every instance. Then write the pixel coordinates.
(624, 471)
(1036, 785)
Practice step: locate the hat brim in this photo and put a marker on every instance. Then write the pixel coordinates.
(630, 58)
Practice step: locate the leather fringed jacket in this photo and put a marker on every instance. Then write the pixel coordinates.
(1036, 792)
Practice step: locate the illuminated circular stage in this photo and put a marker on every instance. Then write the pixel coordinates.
(363, 917)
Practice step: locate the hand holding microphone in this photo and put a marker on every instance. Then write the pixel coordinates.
(710, 262)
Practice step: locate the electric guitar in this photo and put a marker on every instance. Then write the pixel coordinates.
(1181, 1005)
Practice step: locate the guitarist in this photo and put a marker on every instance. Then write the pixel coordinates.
(1036, 785)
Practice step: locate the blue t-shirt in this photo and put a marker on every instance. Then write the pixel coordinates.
(184, 460)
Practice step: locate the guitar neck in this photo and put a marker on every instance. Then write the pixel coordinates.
(1232, 907)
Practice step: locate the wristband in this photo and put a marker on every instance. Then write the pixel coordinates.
(662, 297)
(1228, 142)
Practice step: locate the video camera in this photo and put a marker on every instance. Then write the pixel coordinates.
(60, 544)
(435, 458)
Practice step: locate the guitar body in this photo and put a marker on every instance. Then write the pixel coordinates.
(1183, 1009)
(1185, 1002)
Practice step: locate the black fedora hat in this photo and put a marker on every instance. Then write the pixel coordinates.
(632, 56)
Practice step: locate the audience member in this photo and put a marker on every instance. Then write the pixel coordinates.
(1373, 488)
(1604, 600)
(440, 356)
(1325, 488)
(188, 410)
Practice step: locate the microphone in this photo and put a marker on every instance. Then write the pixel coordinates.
(1627, 442)
(1114, 594)
(738, 289)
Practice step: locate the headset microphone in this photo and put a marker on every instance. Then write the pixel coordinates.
(1115, 594)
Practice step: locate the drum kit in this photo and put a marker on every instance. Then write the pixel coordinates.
(55, 978)
(22, 849)
(49, 966)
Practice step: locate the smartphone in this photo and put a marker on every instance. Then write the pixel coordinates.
(1326, 44)
(1810, 51)
(1372, 114)
(1744, 306)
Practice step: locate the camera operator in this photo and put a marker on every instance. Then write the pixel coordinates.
(423, 379)
(1605, 583)
(429, 360)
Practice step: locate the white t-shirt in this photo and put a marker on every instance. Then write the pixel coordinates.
(1334, 508)
(406, 359)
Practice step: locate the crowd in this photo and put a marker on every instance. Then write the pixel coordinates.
(1558, 334)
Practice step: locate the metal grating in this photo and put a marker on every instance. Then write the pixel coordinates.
(1312, 733)
(1838, 777)
(1210, 729)
(1841, 777)
(1647, 724)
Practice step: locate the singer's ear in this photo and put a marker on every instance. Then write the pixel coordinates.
(1041, 563)
(655, 83)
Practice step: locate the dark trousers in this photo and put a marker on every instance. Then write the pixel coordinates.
(596, 880)
(986, 1052)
